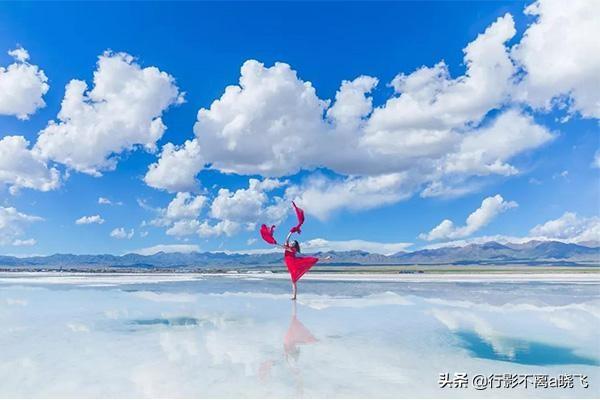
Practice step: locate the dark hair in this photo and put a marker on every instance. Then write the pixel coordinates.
(295, 245)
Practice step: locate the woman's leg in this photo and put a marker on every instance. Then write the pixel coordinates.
(294, 290)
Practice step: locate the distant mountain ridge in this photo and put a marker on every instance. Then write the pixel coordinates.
(533, 252)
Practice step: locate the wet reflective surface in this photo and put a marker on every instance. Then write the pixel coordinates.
(243, 337)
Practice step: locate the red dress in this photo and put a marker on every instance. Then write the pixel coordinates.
(297, 266)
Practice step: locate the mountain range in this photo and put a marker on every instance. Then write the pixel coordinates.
(491, 253)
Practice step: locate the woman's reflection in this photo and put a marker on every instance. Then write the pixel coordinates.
(296, 335)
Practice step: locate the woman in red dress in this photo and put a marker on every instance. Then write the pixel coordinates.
(296, 265)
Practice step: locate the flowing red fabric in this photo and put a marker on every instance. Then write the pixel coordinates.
(300, 215)
(267, 234)
(298, 266)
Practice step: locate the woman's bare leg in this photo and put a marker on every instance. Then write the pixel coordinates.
(294, 290)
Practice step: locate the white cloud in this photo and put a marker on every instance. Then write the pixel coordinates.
(21, 167)
(184, 227)
(106, 201)
(229, 210)
(432, 133)
(121, 233)
(25, 242)
(485, 151)
(560, 53)
(185, 205)
(436, 134)
(225, 227)
(92, 219)
(246, 205)
(177, 167)
(22, 86)
(571, 227)
(322, 245)
(430, 104)
(440, 189)
(321, 196)
(273, 123)
(19, 54)
(490, 208)
(167, 248)
(121, 112)
(13, 223)
(351, 105)
(270, 124)
(143, 203)
(180, 214)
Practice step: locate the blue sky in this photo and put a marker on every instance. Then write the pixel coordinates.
(543, 173)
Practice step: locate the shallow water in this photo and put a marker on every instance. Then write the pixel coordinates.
(242, 337)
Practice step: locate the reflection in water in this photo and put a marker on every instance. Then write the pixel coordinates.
(522, 351)
(223, 337)
(296, 335)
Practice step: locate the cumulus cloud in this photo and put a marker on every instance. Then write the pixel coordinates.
(229, 211)
(433, 134)
(351, 105)
(184, 227)
(121, 233)
(490, 208)
(183, 207)
(570, 227)
(266, 125)
(21, 167)
(177, 167)
(271, 124)
(225, 227)
(274, 124)
(419, 121)
(245, 205)
(560, 54)
(92, 219)
(321, 196)
(121, 112)
(22, 86)
(485, 151)
(12, 225)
